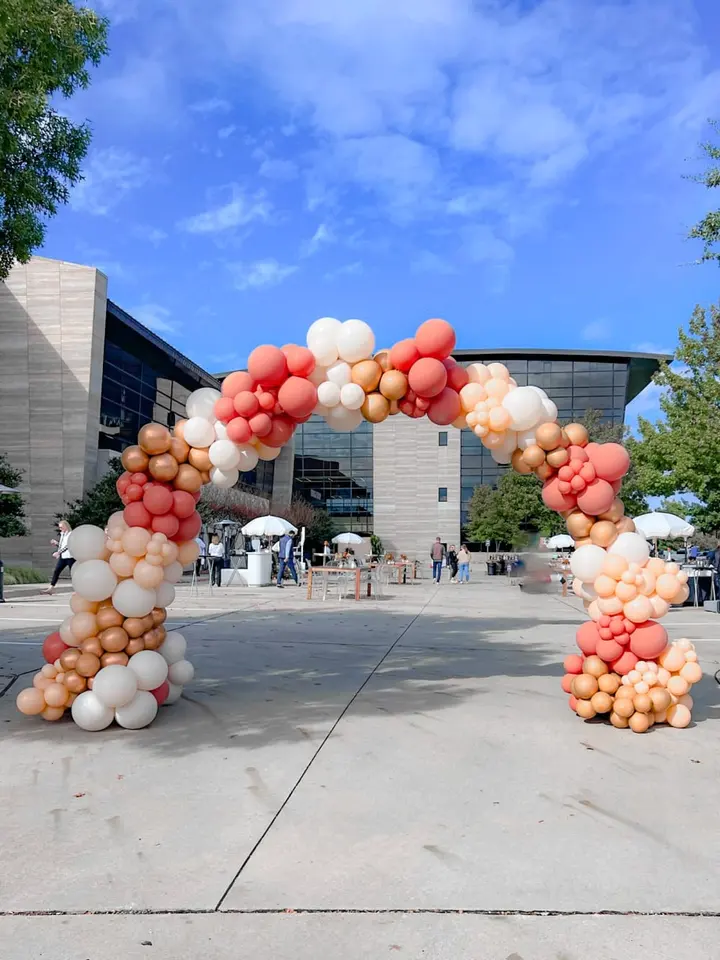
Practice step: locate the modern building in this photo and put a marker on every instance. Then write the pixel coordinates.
(409, 481)
(78, 378)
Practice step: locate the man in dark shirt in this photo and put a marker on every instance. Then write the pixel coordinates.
(437, 553)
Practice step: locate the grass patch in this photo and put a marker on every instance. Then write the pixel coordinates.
(16, 575)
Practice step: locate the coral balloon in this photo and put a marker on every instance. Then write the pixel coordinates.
(404, 354)
(157, 500)
(189, 528)
(587, 637)
(300, 360)
(649, 638)
(427, 377)
(611, 460)
(298, 397)
(236, 383)
(137, 515)
(597, 497)
(435, 338)
(554, 499)
(281, 430)
(445, 408)
(167, 524)
(268, 366)
(53, 647)
(456, 374)
(239, 430)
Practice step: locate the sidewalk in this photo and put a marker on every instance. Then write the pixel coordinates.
(357, 780)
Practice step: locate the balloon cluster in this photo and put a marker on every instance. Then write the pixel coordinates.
(113, 656)
(652, 691)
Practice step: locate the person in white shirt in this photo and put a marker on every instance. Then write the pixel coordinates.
(216, 554)
(62, 554)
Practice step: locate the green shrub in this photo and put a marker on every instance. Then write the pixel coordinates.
(15, 575)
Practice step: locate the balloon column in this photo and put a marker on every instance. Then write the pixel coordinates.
(113, 658)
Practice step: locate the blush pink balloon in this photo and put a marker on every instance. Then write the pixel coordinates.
(298, 397)
(566, 682)
(609, 650)
(435, 338)
(268, 365)
(404, 354)
(625, 663)
(300, 360)
(573, 663)
(246, 404)
(597, 497)
(648, 640)
(587, 638)
(427, 377)
(611, 460)
(554, 499)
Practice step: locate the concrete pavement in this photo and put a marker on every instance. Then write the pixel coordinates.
(371, 764)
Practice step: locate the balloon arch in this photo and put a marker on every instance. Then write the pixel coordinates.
(113, 658)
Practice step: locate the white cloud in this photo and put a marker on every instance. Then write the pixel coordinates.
(153, 235)
(323, 236)
(225, 132)
(428, 262)
(347, 270)
(481, 244)
(260, 273)
(212, 105)
(596, 331)
(278, 169)
(155, 317)
(108, 176)
(240, 211)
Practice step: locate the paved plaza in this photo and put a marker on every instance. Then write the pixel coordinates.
(399, 776)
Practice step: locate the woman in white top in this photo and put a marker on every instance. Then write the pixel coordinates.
(62, 554)
(216, 554)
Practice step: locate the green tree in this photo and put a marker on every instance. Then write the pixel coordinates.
(99, 502)
(513, 513)
(46, 47)
(678, 508)
(631, 492)
(708, 229)
(12, 508)
(680, 454)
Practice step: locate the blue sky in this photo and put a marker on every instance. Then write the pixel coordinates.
(516, 168)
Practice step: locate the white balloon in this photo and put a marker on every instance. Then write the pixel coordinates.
(66, 634)
(94, 580)
(339, 373)
(174, 695)
(503, 453)
(587, 562)
(267, 453)
(87, 543)
(201, 403)
(150, 669)
(524, 406)
(248, 457)
(224, 454)
(526, 438)
(478, 373)
(633, 547)
(220, 430)
(114, 686)
(132, 600)
(352, 396)
(140, 712)
(199, 432)
(329, 394)
(181, 672)
(165, 595)
(90, 713)
(322, 340)
(343, 420)
(174, 647)
(117, 520)
(319, 375)
(225, 479)
(174, 572)
(356, 341)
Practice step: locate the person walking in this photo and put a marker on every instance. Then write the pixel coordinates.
(437, 553)
(286, 560)
(326, 553)
(216, 556)
(452, 562)
(62, 555)
(464, 564)
(202, 558)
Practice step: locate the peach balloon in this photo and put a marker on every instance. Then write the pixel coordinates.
(122, 564)
(472, 394)
(593, 609)
(30, 701)
(169, 553)
(639, 723)
(692, 672)
(135, 541)
(83, 626)
(114, 639)
(678, 716)
(626, 592)
(149, 576)
(678, 685)
(672, 659)
(56, 695)
(610, 606)
(667, 586)
(188, 552)
(53, 713)
(154, 439)
(660, 607)
(79, 604)
(605, 586)
(41, 682)
(497, 388)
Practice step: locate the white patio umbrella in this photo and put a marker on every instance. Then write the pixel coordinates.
(560, 541)
(268, 527)
(663, 526)
(347, 538)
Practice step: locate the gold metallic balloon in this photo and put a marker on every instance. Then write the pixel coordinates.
(154, 438)
(394, 408)
(159, 615)
(382, 357)
(603, 533)
(134, 627)
(108, 617)
(533, 455)
(93, 647)
(198, 457)
(151, 640)
(393, 385)
(625, 525)
(548, 436)
(615, 513)
(163, 467)
(518, 464)
(111, 659)
(579, 524)
(114, 639)
(134, 459)
(74, 682)
(376, 408)
(134, 646)
(179, 449)
(88, 665)
(578, 434)
(149, 622)
(205, 477)
(68, 658)
(179, 429)
(558, 457)
(367, 373)
(544, 471)
(188, 478)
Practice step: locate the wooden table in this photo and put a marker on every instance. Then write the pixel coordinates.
(358, 571)
(401, 565)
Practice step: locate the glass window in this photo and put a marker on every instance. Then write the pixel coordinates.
(443, 438)
(442, 494)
